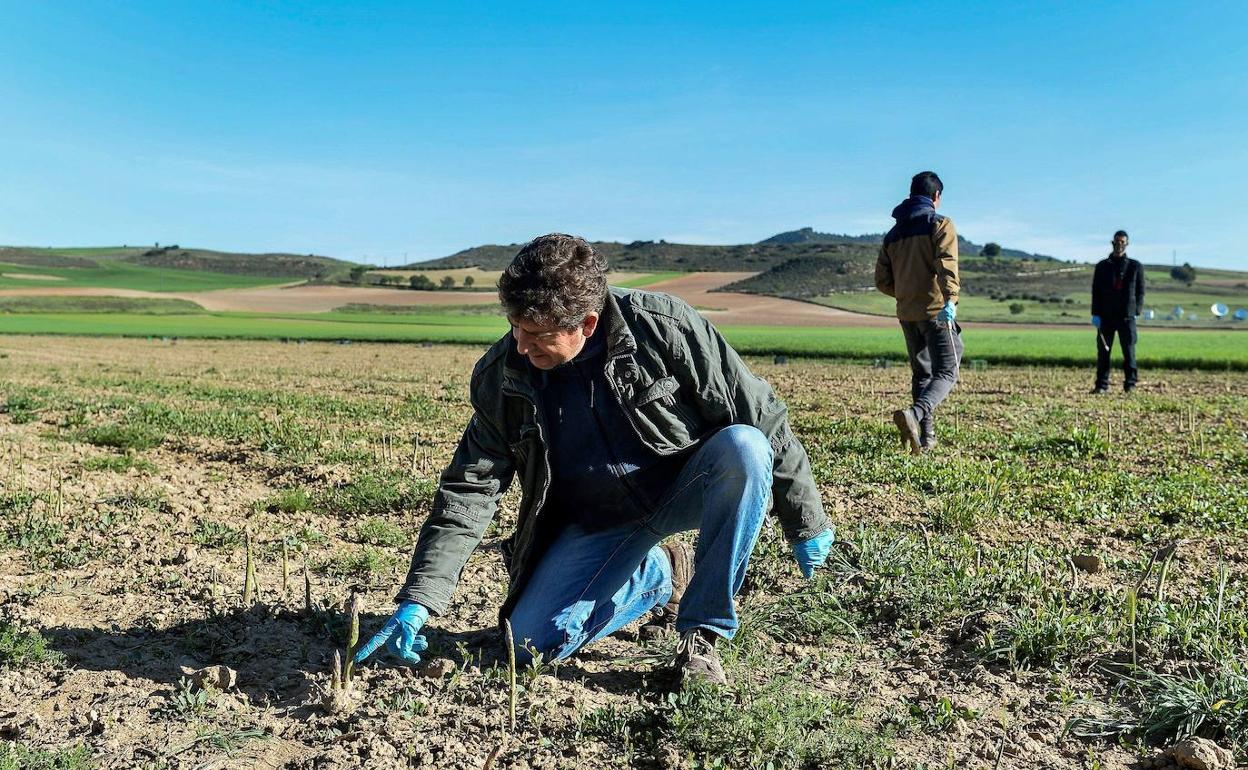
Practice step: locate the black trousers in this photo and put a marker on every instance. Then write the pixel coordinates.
(1125, 329)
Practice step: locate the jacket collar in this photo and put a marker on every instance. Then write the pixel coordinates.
(518, 376)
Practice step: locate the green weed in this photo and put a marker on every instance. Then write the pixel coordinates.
(295, 500)
(14, 756)
(17, 648)
(22, 408)
(378, 531)
(375, 493)
(131, 438)
(361, 563)
(215, 534)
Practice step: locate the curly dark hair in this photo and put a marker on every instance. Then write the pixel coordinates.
(555, 280)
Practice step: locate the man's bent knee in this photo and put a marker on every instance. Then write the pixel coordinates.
(745, 444)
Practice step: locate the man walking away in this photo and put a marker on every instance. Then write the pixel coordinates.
(1117, 296)
(918, 265)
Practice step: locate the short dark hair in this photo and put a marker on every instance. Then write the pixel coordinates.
(926, 183)
(1123, 233)
(555, 280)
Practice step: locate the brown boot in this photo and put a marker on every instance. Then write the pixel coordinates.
(663, 619)
(697, 658)
(909, 428)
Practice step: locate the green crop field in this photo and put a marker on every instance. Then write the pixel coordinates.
(116, 274)
(1217, 350)
(987, 310)
(1061, 583)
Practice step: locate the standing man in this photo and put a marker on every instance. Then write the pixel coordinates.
(628, 419)
(1117, 296)
(918, 265)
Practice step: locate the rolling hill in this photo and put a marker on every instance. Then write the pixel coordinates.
(174, 257)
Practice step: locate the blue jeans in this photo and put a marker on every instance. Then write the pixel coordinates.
(590, 584)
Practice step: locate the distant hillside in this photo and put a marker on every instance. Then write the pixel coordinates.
(810, 235)
(655, 256)
(650, 256)
(274, 265)
(818, 276)
(177, 258)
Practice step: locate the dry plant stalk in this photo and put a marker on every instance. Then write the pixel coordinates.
(307, 587)
(285, 569)
(510, 641)
(335, 674)
(489, 761)
(1132, 606)
(353, 638)
(249, 575)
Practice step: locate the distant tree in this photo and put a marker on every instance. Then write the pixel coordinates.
(1016, 308)
(420, 282)
(468, 281)
(991, 249)
(357, 273)
(448, 282)
(1185, 273)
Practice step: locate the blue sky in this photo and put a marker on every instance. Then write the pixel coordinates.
(393, 131)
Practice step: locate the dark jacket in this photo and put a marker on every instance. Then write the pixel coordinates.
(678, 381)
(1117, 288)
(918, 261)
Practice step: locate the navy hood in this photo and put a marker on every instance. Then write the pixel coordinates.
(914, 206)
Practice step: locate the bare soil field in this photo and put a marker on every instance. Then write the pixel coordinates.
(1061, 585)
(695, 288)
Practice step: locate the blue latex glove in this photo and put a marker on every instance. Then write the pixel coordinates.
(401, 634)
(1096, 321)
(813, 552)
(948, 312)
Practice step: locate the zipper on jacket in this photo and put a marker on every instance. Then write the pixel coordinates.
(541, 437)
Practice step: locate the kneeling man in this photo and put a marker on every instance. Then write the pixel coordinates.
(628, 419)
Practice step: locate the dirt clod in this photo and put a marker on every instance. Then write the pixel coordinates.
(1201, 754)
(1089, 563)
(436, 669)
(219, 677)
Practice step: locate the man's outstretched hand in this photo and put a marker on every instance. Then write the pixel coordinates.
(401, 634)
(813, 552)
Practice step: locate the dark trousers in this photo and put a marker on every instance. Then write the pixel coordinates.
(935, 352)
(1125, 329)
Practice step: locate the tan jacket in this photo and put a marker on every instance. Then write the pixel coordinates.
(918, 262)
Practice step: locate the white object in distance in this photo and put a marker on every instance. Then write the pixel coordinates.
(1149, 315)
(1218, 309)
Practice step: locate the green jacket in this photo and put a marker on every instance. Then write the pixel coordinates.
(679, 382)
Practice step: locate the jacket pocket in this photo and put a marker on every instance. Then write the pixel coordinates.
(662, 420)
(663, 389)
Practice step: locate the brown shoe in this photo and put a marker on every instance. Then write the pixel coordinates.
(663, 619)
(697, 658)
(909, 428)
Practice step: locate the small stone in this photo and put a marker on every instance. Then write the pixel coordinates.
(1201, 754)
(219, 677)
(1088, 562)
(436, 669)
